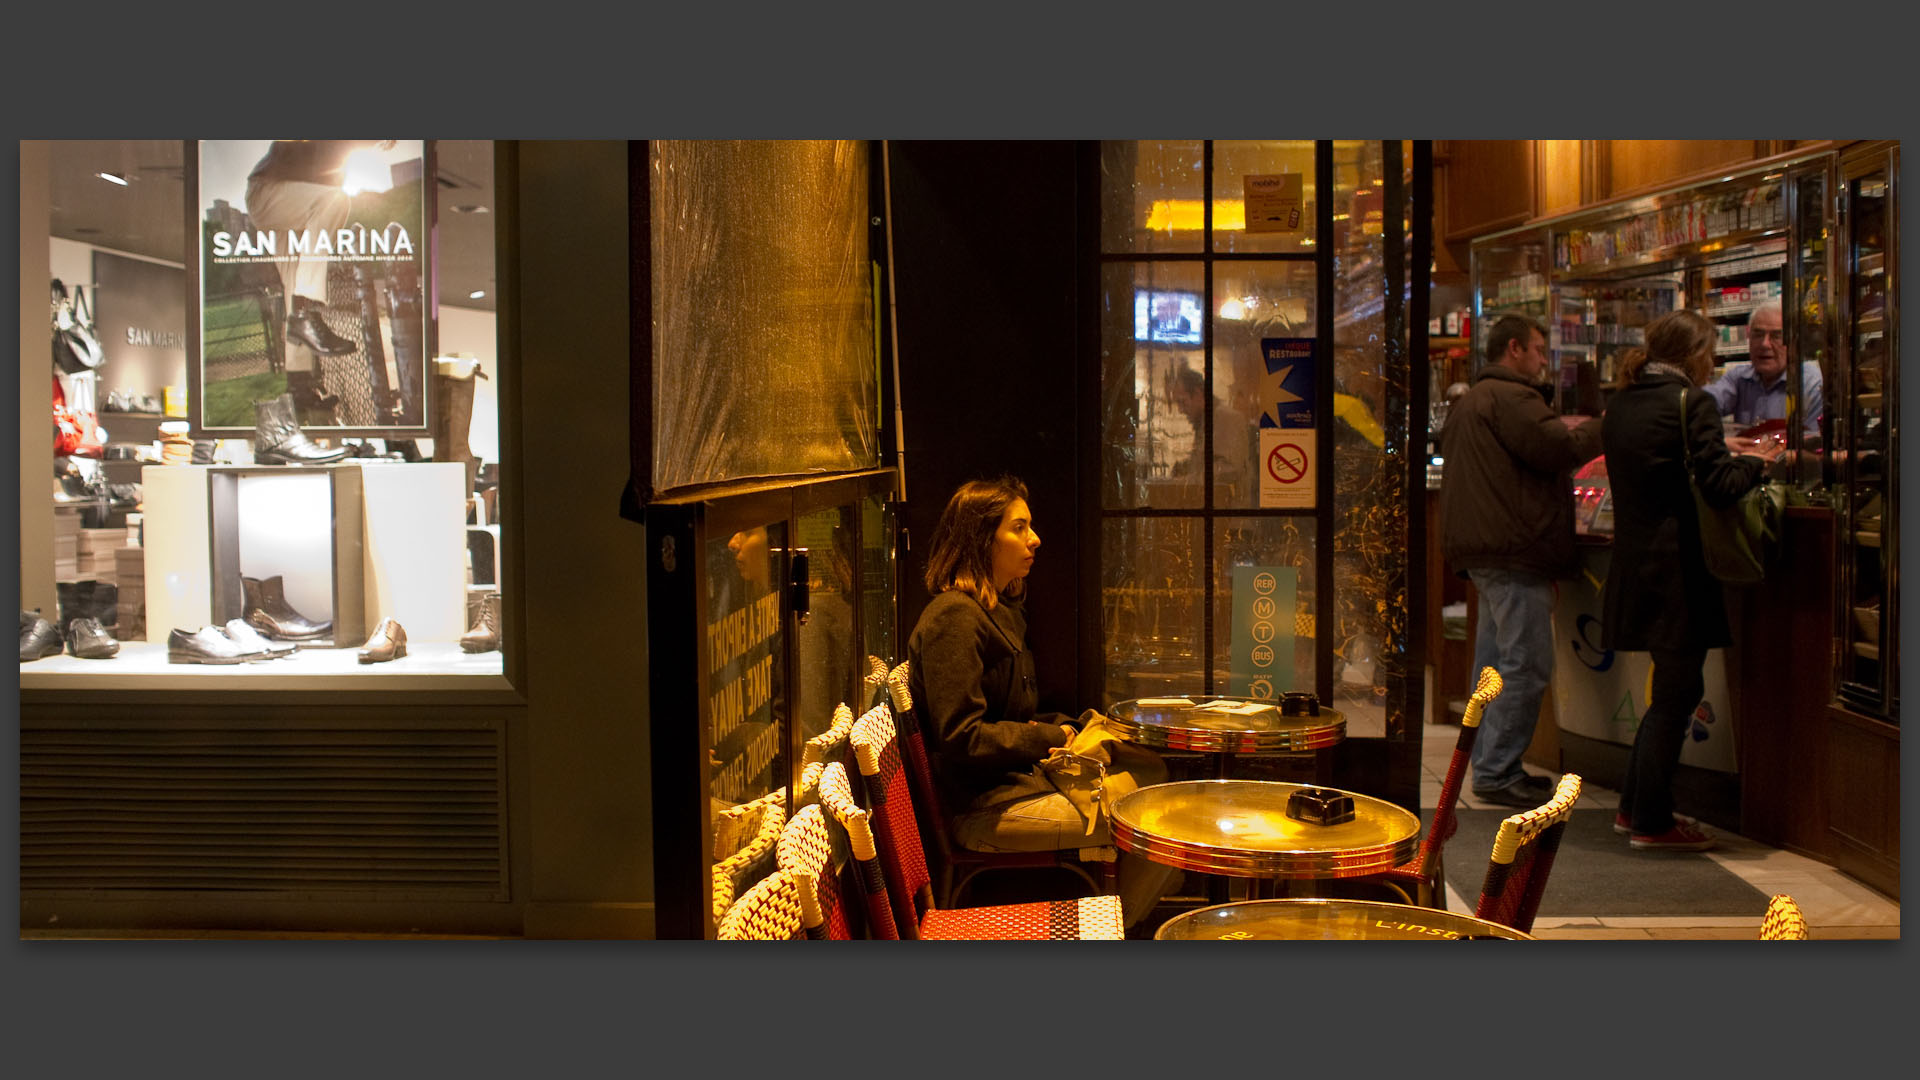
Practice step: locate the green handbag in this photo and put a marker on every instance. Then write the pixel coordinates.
(1736, 540)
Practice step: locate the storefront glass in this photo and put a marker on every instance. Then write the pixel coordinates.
(284, 462)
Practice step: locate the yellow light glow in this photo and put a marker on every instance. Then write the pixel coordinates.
(1233, 310)
(366, 170)
(1177, 215)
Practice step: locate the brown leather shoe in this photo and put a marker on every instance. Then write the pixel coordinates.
(389, 642)
(484, 635)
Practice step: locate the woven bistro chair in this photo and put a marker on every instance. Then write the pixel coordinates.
(1783, 921)
(734, 873)
(953, 866)
(875, 680)
(770, 911)
(806, 852)
(1419, 880)
(836, 794)
(833, 744)
(1523, 852)
(904, 866)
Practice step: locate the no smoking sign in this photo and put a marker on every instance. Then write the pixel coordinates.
(1287, 454)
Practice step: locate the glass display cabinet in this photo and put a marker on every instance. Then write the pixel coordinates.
(1509, 277)
(1866, 445)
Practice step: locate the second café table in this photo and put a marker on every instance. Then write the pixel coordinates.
(1329, 920)
(1224, 725)
(1241, 829)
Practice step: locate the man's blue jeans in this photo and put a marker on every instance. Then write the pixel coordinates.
(1516, 639)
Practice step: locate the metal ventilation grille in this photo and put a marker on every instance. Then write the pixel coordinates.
(404, 814)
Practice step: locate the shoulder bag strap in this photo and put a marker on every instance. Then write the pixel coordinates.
(1686, 441)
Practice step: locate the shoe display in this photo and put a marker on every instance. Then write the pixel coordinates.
(389, 642)
(88, 640)
(1625, 828)
(278, 440)
(1679, 838)
(306, 326)
(251, 642)
(38, 637)
(484, 635)
(1525, 793)
(266, 609)
(207, 645)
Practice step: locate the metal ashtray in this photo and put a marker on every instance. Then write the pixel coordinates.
(1299, 703)
(1320, 806)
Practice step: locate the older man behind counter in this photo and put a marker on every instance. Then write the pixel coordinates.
(1757, 390)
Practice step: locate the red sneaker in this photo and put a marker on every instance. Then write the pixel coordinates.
(1624, 827)
(1679, 838)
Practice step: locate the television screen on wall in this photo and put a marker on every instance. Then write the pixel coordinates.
(1171, 317)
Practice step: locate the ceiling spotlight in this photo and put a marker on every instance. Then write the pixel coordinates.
(476, 294)
(469, 208)
(112, 178)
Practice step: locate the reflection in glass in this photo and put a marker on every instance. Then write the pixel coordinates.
(1149, 446)
(877, 531)
(746, 697)
(1808, 316)
(830, 666)
(1269, 543)
(1233, 162)
(1151, 605)
(1252, 301)
(1150, 196)
(1370, 500)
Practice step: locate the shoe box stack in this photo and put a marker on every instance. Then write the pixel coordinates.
(66, 543)
(130, 566)
(97, 559)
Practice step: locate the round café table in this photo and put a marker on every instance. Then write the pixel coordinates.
(1310, 919)
(1224, 725)
(1241, 829)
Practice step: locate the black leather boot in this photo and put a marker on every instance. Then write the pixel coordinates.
(309, 394)
(75, 600)
(104, 605)
(306, 326)
(267, 611)
(278, 440)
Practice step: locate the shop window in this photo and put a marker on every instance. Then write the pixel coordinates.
(292, 424)
(1255, 412)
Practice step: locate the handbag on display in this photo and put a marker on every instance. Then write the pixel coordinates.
(1736, 539)
(76, 348)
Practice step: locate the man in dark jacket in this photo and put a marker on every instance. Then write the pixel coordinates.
(1506, 523)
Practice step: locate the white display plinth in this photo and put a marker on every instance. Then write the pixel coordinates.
(396, 546)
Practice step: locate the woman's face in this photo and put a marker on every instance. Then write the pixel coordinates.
(1014, 543)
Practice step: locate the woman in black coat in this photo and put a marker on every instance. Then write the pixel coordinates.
(1660, 597)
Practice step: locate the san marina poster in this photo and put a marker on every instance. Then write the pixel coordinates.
(313, 280)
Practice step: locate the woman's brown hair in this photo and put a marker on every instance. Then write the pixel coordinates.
(1683, 339)
(960, 555)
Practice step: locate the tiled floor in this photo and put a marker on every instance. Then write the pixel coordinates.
(1835, 905)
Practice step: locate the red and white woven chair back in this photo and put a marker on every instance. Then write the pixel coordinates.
(770, 911)
(750, 860)
(1523, 854)
(875, 680)
(896, 827)
(836, 794)
(806, 852)
(1783, 921)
